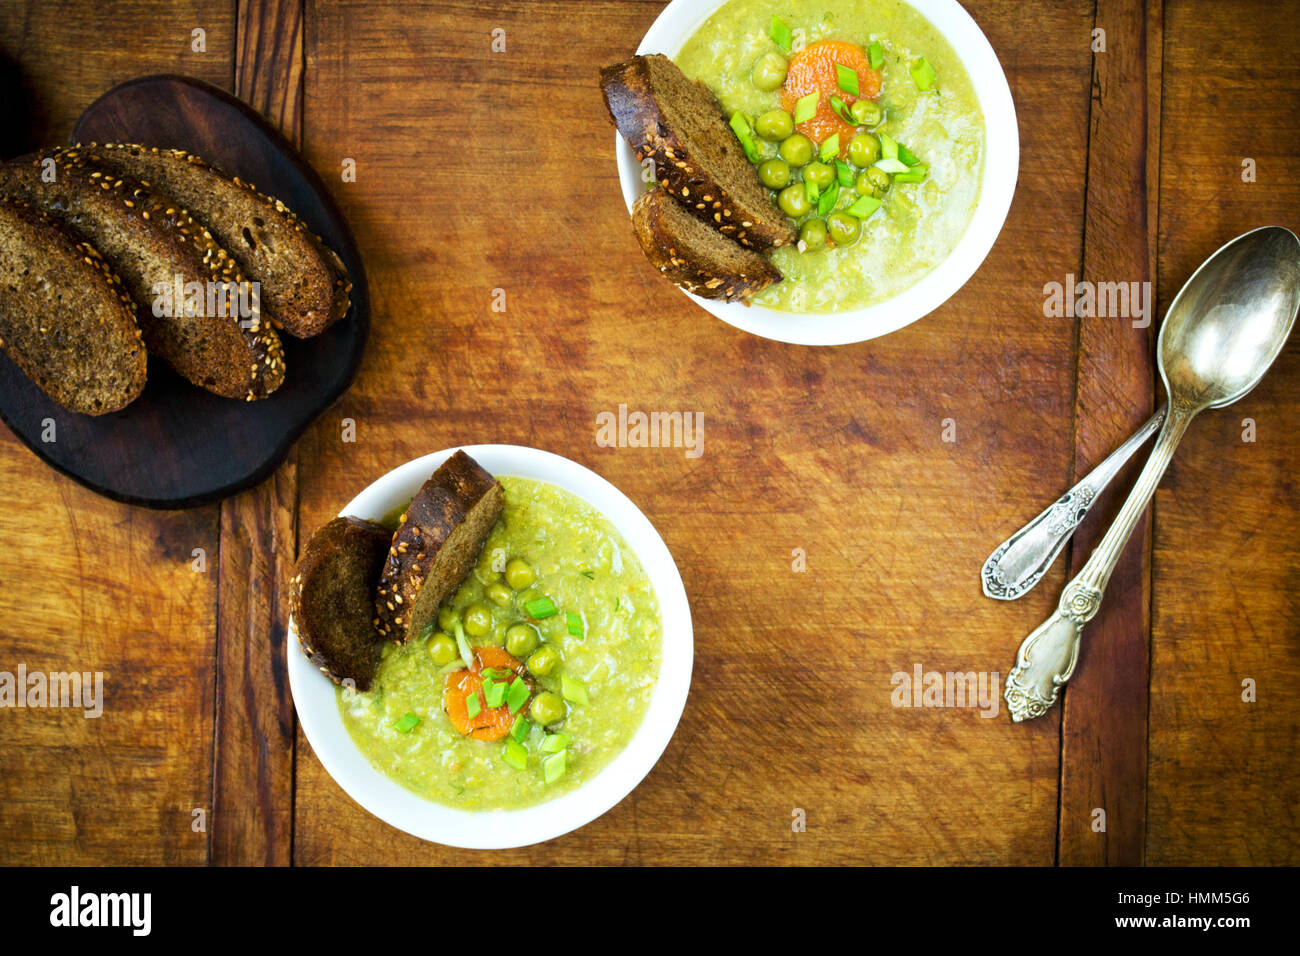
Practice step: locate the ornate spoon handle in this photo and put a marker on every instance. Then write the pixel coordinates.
(1048, 656)
(1020, 562)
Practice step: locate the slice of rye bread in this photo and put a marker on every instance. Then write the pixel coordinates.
(65, 319)
(149, 239)
(436, 545)
(677, 123)
(331, 598)
(303, 282)
(699, 259)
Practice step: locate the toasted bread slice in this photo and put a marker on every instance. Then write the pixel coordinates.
(436, 545)
(65, 319)
(331, 598)
(304, 284)
(677, 123)
(152, 243)
(699, 259)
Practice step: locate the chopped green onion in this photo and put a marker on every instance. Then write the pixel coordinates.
(407, 723)
(847, 79)
(515, 754)
(495, 673)
(574, 691)
(518, 695)
(780, 34)
(519, 729)
(830, 148)
(462, 645)
(864, 207)
(875, 55)
(745, 133)
(554, 743)
(589, 575)
(891, 166)
(844, 173)
(553, 766)
(923, 73)
(907, 156)
(472, 706)
(575, 623)
(806, 107)
(827, 201)
(888, 146)
(842, 110)
(540, 608)
(914, 175)
(810, 190)
(494, 694)
(426, 632)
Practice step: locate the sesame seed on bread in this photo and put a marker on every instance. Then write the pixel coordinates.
(65, 319)
(676, 122)
(436, 545)
(304, 284)
(699, 259)
(149, 239)
(331, 598)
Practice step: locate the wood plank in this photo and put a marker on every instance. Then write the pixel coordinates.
(91, 585)
(1103, 736)
(837, 451)
(1223, 772)
(254, 745)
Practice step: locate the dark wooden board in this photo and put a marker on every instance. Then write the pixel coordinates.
(177, 445)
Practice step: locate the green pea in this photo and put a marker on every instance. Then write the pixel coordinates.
(478, 620)
(797, 150)
(498, 594)
(843, 228)
(774, 173)
(820, 175)
(793, 201)
(774, 125)
(519, 573)
(813, 234)
(543, 660)
(547, 708)
(443, 650)
(768, 71)
(521, 640)
(866, 113)
(447, 618)
(872, 182)
(864, 149)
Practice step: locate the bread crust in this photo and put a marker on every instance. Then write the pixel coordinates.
(436, 545)
(640, 119)
(88, 196)
(322, 296)
(703, 277)
(324, 606)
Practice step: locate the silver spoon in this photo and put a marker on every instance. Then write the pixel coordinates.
(1219, 337)
(1020, 562)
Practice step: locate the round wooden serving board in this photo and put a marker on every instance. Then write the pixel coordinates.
(177, 445)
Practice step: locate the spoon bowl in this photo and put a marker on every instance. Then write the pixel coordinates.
(1230, 321)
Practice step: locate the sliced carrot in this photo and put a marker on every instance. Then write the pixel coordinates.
(812, 69)
(490, 723)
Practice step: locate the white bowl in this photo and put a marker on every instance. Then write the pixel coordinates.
(682, 18)
(315, 697)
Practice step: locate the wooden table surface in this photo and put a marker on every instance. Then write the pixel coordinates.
(479, 171)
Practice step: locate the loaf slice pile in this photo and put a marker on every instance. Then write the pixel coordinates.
(356, 585)
(205, 291)
(676, 123)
